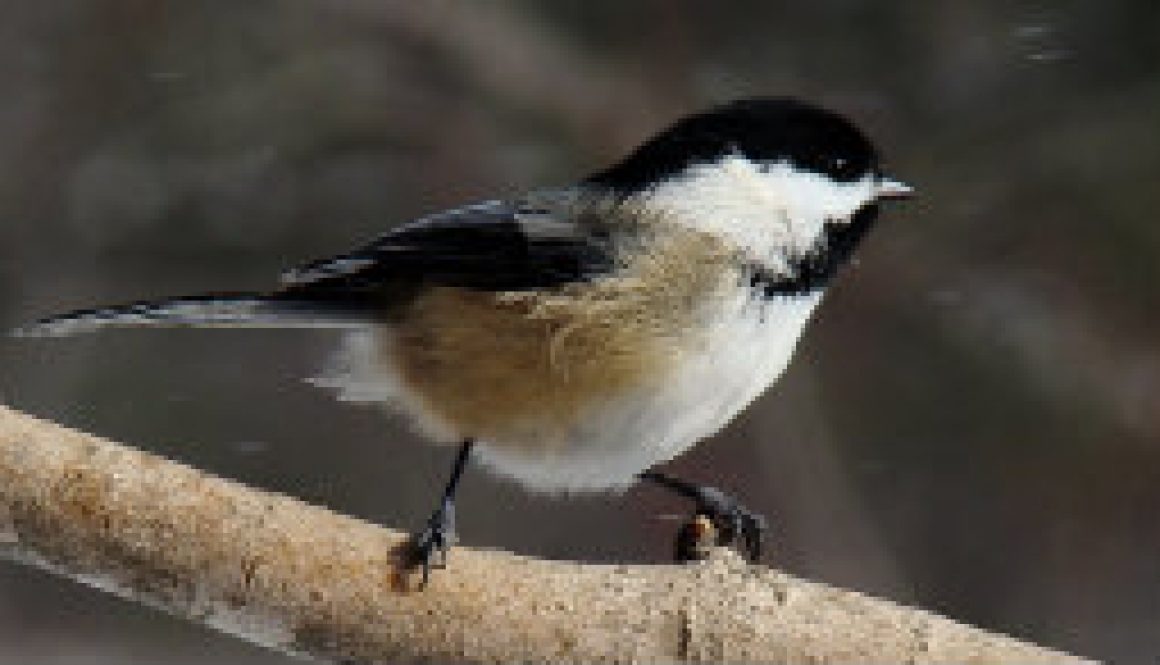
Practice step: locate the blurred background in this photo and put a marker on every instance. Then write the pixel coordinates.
(972, 424)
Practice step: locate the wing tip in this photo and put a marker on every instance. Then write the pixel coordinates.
(49, 328)
(319, 270)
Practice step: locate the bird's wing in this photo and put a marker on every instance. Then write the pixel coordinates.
(495, 246)
(539, 242)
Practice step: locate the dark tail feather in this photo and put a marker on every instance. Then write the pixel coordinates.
(208, 311)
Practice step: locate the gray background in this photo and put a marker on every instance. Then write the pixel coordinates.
(971, 424)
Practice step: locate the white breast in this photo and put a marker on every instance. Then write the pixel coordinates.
(748, 346)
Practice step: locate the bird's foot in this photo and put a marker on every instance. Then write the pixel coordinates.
(732, 522)
(718, 520)
(428, 549)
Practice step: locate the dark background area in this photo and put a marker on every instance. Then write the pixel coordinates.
(972, 423)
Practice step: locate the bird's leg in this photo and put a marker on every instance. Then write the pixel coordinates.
(734, 523)
(428, 549)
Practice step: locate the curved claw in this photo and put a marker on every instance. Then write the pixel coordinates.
(748, 528)
(735, 523)
(429, 548)
(731, 522)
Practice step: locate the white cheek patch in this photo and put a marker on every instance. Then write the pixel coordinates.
(770, 210)
(811, 195)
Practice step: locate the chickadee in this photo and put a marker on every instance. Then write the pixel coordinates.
(576, 337)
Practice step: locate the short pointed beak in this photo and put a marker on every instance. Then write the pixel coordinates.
(888, 188)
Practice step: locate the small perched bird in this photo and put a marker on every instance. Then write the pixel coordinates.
(576, 337)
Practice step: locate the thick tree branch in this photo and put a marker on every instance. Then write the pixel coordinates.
(303, 580)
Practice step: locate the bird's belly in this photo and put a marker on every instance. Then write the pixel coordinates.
(583, 411)
(616, 438)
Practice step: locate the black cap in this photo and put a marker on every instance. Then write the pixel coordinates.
(766, 130)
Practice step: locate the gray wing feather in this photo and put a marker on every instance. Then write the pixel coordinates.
(494, 245)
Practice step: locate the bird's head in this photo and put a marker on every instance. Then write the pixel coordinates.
(773, 175)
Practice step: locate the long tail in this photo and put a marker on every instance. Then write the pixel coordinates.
(248, 310)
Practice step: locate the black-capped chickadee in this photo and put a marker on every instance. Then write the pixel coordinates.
(576, 337)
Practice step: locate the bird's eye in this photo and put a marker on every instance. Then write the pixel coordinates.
(841, 168)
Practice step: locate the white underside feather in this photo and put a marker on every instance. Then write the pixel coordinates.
(747, 347)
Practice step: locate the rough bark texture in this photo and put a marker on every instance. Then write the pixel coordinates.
(303, 580)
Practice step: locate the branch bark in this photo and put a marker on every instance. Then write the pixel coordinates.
(303, 580)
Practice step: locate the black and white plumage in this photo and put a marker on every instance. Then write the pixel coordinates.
(583, 334)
